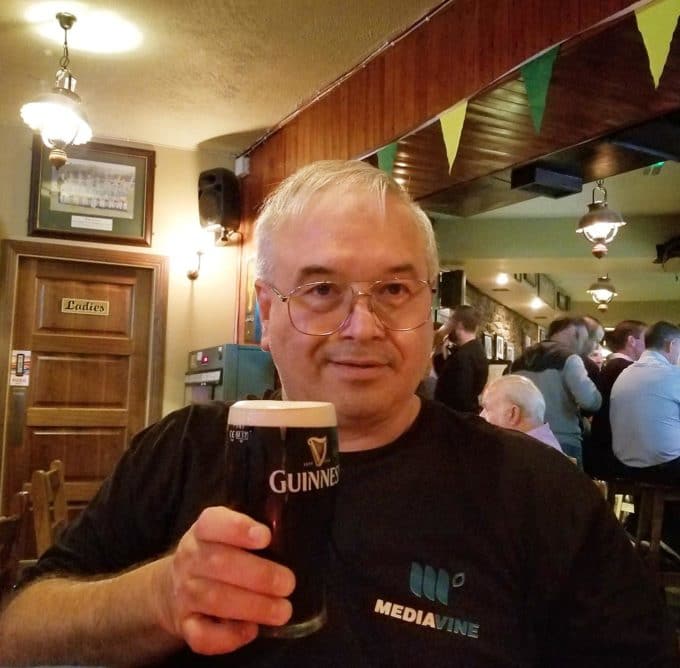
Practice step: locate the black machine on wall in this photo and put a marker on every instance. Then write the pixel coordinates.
(219, 202)
(228, 373)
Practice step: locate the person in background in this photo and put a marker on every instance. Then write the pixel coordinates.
(463, 375)
(627, 342)
(557, 369)
(645, 409)
(514, 402)
(454, 543)
(591, 345)
(597, 356)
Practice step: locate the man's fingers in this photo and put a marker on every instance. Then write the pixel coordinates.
(209, 636)
(230, 602)
(235, 566)
(223, 525)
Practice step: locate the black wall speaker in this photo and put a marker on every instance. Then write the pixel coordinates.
(219, 198)
(451, 288)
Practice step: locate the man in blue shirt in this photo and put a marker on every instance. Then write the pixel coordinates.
(645, 409)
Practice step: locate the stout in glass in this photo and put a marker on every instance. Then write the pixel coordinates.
(282, 467)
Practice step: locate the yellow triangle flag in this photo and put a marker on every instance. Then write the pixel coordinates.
(452, 126)
(656, 23)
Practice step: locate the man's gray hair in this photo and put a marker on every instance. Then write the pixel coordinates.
(292, 195)
(524, 393)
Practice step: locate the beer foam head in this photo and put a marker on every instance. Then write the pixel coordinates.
(263, 413)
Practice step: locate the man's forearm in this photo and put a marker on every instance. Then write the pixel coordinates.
(112, 621)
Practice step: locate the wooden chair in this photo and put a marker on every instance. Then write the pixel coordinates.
(55, 502)
(12, 531)
(50, 512)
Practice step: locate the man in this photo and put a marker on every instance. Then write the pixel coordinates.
(463, 375)
(557, 369)
(514, 402)
(454, 543)
(645, 409)
(627, 342)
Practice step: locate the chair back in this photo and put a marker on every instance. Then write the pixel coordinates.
(12, 531)
(50, 514)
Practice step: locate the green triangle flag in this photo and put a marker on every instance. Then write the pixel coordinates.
(656, 23)
(452, 126)
(536, 75)
(386, 156)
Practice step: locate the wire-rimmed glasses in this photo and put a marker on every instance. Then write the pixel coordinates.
(323, 307)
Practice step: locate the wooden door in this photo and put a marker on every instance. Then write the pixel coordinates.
(90, 332)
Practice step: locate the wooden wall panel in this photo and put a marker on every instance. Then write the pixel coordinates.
(458, 52)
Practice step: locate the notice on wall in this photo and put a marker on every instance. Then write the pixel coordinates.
(20, 368)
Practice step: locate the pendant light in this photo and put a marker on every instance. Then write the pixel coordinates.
(600, 224)
(58, 115)
(602, 292)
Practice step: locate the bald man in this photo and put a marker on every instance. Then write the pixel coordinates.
(514, 402)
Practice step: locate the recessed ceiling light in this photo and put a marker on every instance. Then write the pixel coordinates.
(536, 303)
(502, 279)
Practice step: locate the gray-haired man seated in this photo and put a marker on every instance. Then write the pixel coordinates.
(514, 402)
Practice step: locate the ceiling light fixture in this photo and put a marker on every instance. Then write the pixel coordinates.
(602, 292)
(58, 115)
(601, 223)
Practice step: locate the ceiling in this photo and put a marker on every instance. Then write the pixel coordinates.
(222, 74)
(214, 74)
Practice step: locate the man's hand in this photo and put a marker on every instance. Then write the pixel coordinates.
(216, 592)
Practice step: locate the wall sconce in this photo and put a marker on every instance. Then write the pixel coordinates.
(600, 224)
(193, 272)
(58, 115)
(602, 292)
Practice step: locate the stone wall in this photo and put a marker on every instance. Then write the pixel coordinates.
(499, 320)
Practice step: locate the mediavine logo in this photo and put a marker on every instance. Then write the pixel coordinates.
(433, 584)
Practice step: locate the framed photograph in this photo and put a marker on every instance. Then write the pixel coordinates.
(510, 352)
(488, 345)
(527, 341)
(103, 193)
(500, 347)
(541, 333)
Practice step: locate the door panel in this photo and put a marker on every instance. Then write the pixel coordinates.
(89, 327)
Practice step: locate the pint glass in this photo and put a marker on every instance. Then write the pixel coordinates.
(282, 468)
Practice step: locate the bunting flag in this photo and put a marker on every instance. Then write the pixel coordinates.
(386, 156)
(452, 126)
(656, 23)
(537, 74)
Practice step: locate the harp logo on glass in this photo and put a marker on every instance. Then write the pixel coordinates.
(281, 482)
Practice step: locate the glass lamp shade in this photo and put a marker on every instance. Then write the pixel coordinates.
(600, 224)
(59, 119)
(602, 291)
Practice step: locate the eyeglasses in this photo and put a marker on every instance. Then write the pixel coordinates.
(323, 307)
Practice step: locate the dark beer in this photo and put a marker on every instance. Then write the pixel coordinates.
(282, 468)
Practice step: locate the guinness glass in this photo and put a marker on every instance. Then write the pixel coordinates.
(282, 470)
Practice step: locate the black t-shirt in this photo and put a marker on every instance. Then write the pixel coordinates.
(458, 544)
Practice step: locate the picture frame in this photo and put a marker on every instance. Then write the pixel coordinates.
(527, 341)
(488, 345)
(510, 352)
(103, 193)
(500, 347)
(541, 333)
